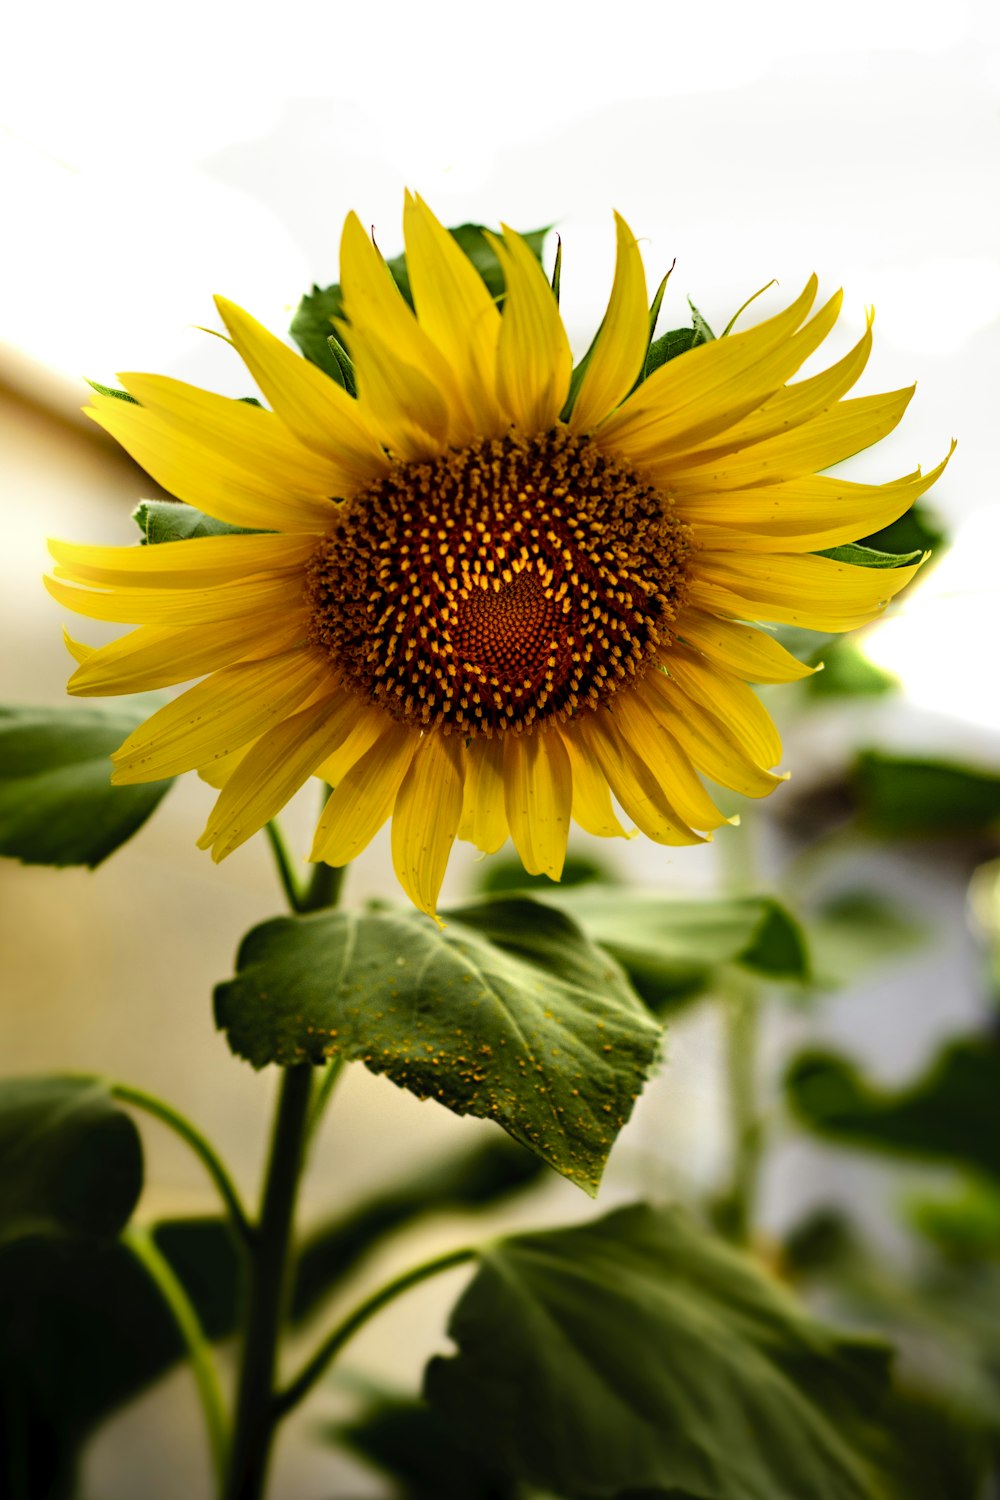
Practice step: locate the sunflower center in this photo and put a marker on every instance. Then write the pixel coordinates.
(498, 586)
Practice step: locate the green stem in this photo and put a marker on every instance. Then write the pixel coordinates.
(743, 1025)
(161, 1273)
(332, 1345)
(255, 1415)
(286, 869)
(202, 1148)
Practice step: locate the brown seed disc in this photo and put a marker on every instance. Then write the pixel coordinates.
(498, 586)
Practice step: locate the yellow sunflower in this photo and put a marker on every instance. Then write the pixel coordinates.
(471, 606)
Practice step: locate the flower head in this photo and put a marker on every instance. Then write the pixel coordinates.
(480, 598)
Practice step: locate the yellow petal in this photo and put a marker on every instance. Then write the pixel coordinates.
(358, 807)
(538, 795)
(705, 740)
(834, 435)
(533, 357)
(270, 774)
(618, 352)
(190, 468)
(737, 705)
(364, 727)
(218, 773)
(815, 592)
(666, 760)
(632, 781)
(591, 794)
(405, 403)
(425, 818)
(740, 649)
(319, 411)
(242, 434)
(456, 309)
(484, 816)
(800, 515)
(156, 656)
(228, 601)
(197, 562)
(373, 304)
(218, 715)
(718, 378)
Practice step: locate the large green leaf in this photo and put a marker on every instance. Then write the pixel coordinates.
(673, 950)
(83, 1330)
(950, 1114)
(70, 1159)
(856, 930)
(57, 804)
(509, 1013)
(639, 1354)
(904, 795)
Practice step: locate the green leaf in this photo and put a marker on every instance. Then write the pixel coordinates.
(668, 346)
(173, 521)
(950, 1114)
(906, 795)
(404, 1439)
(505, 873)
(312, 328)
(83, 1330)
(70, 1160)
(964, 1225)
(57, 804)
(919, 530)
(640, 1354)
(855, 930)
(847, 673)
(470, 1179)
(867, 557)
(510, 1013)
(672, 950)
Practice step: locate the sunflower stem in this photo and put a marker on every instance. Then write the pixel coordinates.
(294, 894)
(256, 1416)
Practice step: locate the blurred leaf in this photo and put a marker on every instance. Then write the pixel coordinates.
(83, 1330)
(510, 1013)
(640, 1354)
(672, 950)
(916, 531)
(809, 646)
(173, 521)
(855, 930)
(403, 1438)
(868, 557)
(70, 1159)
(899, 795)
(847, 673)
(964, 1225)
(944, 1321)
(470, 1179)
(57, 804)
(950, 1114)
(505, 873)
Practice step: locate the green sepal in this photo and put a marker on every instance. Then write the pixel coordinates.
(867, 557)
(703, 332)
(173, 521)
(590, 1363)
(57, 804)
(111, 390)
(950, 1114)
(70, 1160)
(510, 1013)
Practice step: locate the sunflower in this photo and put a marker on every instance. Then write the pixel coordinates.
(481, 597)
